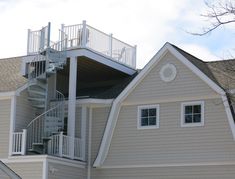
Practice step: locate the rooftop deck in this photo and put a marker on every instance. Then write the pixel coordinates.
(83, 36)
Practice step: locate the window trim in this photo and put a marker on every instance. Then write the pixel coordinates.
(139, 116)
(183, 124)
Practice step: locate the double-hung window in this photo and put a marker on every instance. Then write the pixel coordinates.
(148, 116)
(192, 114)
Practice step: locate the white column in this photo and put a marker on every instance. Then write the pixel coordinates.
(24, 138)
(12, 123)
(72, 102)
(84, 34)
(83, 131)
(111, 45)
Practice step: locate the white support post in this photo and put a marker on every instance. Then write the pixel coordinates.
(72, 102)
(62, 38)
(134, 57)
(84, 35)
(24, 138)
(12, 123)
(61, 144)
(111, 45)
(83, 131)
(28, 44)
(48, 34)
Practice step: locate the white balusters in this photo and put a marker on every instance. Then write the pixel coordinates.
(19, 142)
(59, 146)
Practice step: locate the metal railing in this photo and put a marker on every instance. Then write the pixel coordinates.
(49, 122)
(19, 143)
(60, 144)
(37, 67)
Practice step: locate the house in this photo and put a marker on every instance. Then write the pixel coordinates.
(78, 108)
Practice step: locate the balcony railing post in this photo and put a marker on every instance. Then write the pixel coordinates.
(61, 144)
(28, 44)
(84, 35)
(24, 138)
(48, 34)
(111, 45)
(134, 57)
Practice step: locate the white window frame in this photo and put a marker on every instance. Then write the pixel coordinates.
(183, 124)
(139, 116)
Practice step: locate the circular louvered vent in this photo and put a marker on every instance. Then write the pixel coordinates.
(168, 72)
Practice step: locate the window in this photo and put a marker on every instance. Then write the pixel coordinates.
(148, 117)
(192, 114)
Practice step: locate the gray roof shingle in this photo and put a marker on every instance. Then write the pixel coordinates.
(10, 77)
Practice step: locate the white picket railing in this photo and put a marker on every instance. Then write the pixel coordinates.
(60, 144)
(19, 142)
(38, 40)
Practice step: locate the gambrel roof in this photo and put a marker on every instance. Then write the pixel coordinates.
(10, 76)
(205, 71)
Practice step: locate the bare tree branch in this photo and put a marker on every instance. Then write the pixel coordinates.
(218, 14)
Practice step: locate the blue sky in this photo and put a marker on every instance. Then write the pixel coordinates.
(145, 23)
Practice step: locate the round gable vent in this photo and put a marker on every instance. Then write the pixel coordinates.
(168, 72)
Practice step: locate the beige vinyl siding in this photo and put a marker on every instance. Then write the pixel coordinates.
(32, 170)
(185, 85)
(65, 172)
(24, 111)
(5, 117)
(99, 119)
(195, 172)
(171, 143)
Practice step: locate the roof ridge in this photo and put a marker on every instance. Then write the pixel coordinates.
(223, 60)
(188, 53)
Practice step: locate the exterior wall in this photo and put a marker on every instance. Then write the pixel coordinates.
(171, 143)
(5, 116)
(27, 170)
(185, 85)
(24, 112)
(195, 172)
(60, 171)
(99, 120)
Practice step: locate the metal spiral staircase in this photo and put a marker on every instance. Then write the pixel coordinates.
(46, 62)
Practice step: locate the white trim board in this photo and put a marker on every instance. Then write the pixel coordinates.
(112, 120)
(101, 59)
(167, 165)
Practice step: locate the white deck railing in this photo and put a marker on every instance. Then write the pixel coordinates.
(59, 145)
(82, 35)
(19, 143)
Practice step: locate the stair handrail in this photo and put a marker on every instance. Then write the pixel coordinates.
(36, 127)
